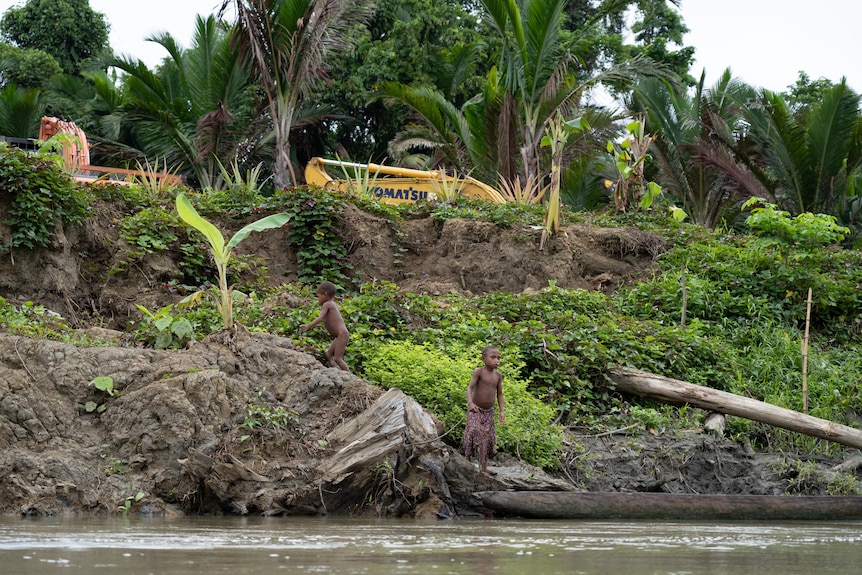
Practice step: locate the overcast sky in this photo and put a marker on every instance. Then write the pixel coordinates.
(764, 42)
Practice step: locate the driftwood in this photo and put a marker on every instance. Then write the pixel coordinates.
(571, 505)
(375, 434)
(680, 392)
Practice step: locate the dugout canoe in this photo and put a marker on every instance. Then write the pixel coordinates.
(625, 505)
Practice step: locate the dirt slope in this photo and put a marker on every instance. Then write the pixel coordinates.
(246, 423)
(425, 255)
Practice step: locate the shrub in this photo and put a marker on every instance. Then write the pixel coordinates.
(40, 194)
(316, 233)
(438, 380)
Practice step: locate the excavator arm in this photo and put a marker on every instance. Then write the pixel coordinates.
(394, 185)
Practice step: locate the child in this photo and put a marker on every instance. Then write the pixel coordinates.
(486, 385)
(331, 318)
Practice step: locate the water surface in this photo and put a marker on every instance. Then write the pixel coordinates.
(117, 546)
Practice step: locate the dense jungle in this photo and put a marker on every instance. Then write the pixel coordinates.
(149, 367)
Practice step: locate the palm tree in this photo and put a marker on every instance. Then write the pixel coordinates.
(807, 159)
(696, 149)
(287, 43)
(21, 111)
(94, 101)
(184, 111)
(498, 133)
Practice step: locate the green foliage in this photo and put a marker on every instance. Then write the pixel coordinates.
(222, 251)
(360, 181)
(243, 187)
(287, 44)
(69, 30)
(316, 235)
(114, 466)
(409, 41)
(162, 329)
(629, 155)
(130, 198)
(808, 159)
(504, 215)
(105, 385)
(259, 413)
(742, 278)
(438, 377)
(26, 68)
(127, 503)
(195, 110)
(806, 230)
(41, 195)
(150, 230)
(30, 319)
(152, 180)
(805, 92)
(804, 476)
(21, 111)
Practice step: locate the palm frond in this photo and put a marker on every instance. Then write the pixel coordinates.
(830, 130)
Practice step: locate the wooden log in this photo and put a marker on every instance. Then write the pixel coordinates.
(626, 505)
(376, 433)
(680, 392)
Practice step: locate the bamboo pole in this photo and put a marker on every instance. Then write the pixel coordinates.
(684, 297)
(805, 356)
(680, 392)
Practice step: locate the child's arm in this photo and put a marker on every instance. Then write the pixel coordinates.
(500, 400)
(323, 311)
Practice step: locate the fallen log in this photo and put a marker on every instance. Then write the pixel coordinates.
(628, 505)
(674, 391)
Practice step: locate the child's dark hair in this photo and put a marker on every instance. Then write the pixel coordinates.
(326, 288)
(487, 349)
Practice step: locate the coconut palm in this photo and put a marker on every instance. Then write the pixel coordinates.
(498, 133)
(288, 42)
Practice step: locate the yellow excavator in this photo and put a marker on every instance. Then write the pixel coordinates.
(398, 185)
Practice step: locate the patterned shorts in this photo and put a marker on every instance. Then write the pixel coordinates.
(480, 435)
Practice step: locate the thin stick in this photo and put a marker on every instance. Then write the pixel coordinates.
(805, 356)
(684, 297)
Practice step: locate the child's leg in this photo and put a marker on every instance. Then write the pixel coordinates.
(335, 353)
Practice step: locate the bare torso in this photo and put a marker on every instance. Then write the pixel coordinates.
(483, 387)
(332, 319)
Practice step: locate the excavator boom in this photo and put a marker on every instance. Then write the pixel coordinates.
(399, 185)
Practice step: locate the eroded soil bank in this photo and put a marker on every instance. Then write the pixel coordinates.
(245, 423)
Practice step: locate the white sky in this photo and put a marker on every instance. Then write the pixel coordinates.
(764, 42)
(767, 42)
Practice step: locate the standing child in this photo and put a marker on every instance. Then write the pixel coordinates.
(486, 386)
(331, 318)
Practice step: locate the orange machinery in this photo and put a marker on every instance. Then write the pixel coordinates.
(76, 154)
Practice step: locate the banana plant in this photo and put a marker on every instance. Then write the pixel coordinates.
(556, 138)
(629, 157)
(222, 251)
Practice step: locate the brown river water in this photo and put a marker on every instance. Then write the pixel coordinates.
(251, 546)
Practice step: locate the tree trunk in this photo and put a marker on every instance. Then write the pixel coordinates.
(680, 392)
